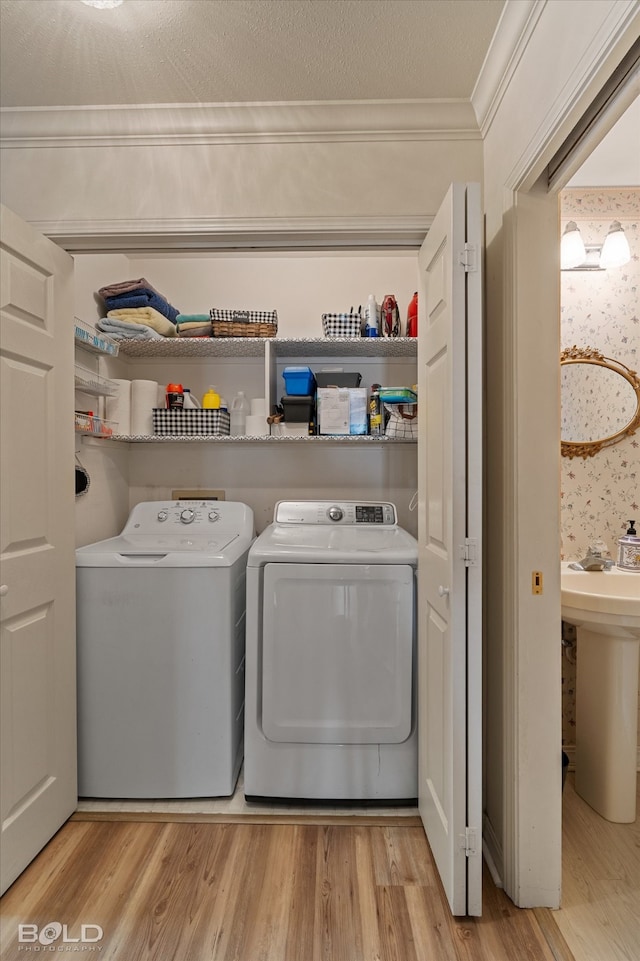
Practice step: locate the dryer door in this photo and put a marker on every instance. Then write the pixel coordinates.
(337, 653)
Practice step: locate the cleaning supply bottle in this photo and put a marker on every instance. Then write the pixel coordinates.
(174, 397)
(629, 554)
(190, 402)
(371, 317)
(412, 317)
(375, 412)
(240, 407)
(389, 317)
(211, 400)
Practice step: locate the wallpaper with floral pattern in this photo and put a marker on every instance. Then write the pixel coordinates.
(599, 309)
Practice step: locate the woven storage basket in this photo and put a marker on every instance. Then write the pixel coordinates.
(341, 325)
(243, 323)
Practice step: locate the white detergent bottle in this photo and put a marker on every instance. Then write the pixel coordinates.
(240, 407)
(372, 317)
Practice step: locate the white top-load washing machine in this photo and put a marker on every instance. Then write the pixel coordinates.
(330, 701)
(161, 636)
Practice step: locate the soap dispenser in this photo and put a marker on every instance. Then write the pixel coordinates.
(629, 556)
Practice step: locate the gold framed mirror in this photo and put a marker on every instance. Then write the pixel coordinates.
(600, 400)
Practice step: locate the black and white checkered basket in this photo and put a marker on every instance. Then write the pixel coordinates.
(243, 323)
(342, 325)
(403, 421)
(190, 423)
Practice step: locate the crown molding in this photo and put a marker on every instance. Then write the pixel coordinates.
(192, 123)
(619, 22)
(517, 22)
(237, 233)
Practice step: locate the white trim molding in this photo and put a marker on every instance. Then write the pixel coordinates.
(566, 109)
(517, 23)
(238, 233)
(232, 123)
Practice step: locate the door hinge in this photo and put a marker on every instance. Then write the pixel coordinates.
(469, 552)
(470, 842)
(468, 258)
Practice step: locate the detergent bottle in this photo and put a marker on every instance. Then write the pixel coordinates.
(211, 400)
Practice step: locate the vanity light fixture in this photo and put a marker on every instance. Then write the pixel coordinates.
(572, 249)
(575, 255)
(103, 4)
(615, 250)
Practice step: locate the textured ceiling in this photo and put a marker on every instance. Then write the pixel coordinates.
(61, 52)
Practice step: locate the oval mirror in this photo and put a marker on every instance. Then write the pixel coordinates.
(600, 401)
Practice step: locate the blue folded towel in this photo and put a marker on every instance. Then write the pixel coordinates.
(143, 297)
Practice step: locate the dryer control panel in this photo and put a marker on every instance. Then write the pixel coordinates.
(337, 513)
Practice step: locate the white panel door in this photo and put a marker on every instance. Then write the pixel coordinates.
(449, 533)
(37, 553)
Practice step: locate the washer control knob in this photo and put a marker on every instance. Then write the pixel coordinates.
(187, 516)
(162, 515)
(335, 513)
(214, 516)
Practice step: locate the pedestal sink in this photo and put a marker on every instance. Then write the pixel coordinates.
(605, 608)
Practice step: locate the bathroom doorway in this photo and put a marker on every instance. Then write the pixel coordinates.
(599, 494)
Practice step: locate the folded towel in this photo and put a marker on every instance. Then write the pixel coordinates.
(143, 297)
(190, 318)
(120, 330)
(195, 329)
(145, 315)
(125, 287)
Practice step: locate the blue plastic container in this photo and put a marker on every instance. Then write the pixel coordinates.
(299, 381)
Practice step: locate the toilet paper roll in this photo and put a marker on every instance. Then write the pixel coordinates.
(118, 407)
(144, 397)
(259, 406)
(256, 425)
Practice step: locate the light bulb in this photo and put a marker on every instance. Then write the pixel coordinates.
(572, 252)
(615, 249)
(103, 4)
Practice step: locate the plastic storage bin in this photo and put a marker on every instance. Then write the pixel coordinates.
(299, 381)
(298, 410)
(338, 378)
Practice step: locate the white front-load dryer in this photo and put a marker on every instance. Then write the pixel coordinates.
(160, 637)
(330, 700)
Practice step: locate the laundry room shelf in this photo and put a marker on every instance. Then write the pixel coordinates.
(353, 439)
(90, 382)
(279, 347)
(195, 347)
(93, 340)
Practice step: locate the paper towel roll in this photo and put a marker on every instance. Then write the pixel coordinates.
(118, 407)
(256, 425)
(259, 406)
(144, 397)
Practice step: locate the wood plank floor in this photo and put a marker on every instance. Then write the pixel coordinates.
(209, 891)
(600, 914)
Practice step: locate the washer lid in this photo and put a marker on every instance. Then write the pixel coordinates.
(157, 550)
(333, 545)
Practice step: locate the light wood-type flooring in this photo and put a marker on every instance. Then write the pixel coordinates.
(213, 887)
